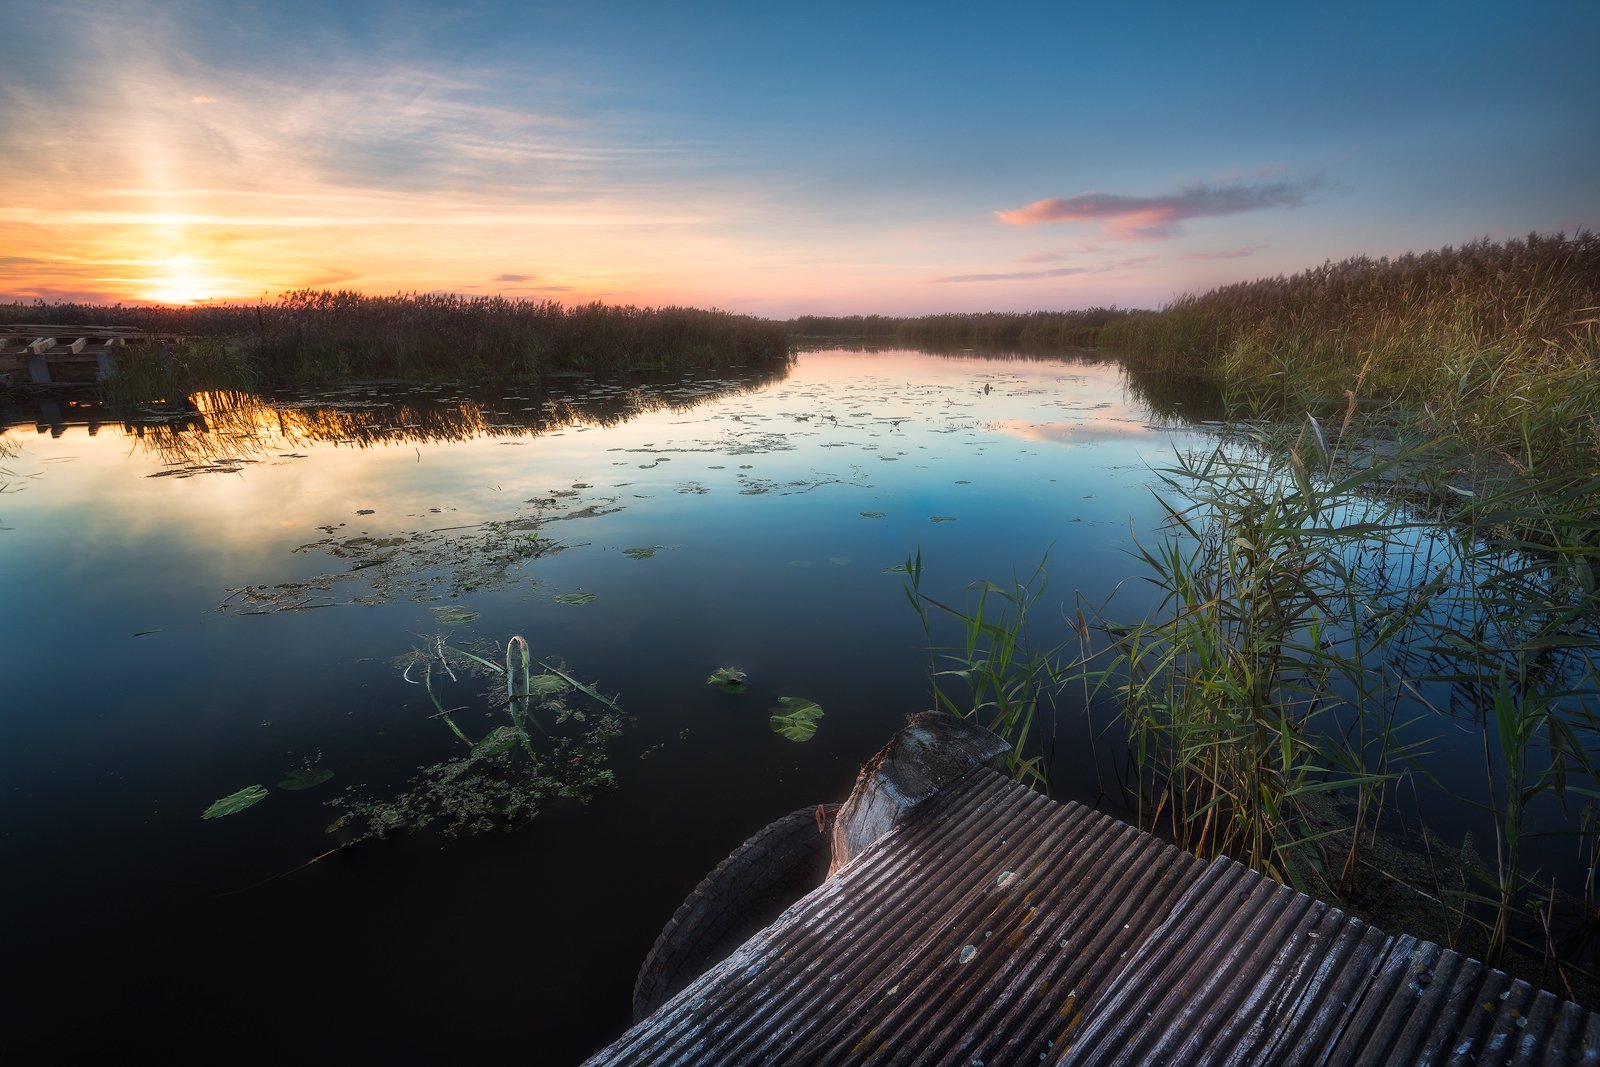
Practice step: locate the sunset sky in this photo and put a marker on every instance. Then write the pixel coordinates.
(776, 159)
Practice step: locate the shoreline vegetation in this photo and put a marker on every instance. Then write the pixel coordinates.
(318, 336)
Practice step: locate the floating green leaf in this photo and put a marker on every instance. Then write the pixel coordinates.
(304, 778)
(639, 553)
(898, 568)
(574, 598)
(235, 802)
(796, 718)
(729, 679)
(872, 514)
(942, 518)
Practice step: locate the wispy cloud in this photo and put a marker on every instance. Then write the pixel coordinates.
(1227, 253)
(1158, 217)
(515, 277)
(1017, 276)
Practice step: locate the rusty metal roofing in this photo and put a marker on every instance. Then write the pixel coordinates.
(997, 926)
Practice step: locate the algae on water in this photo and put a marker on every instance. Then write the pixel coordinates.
(549, 744)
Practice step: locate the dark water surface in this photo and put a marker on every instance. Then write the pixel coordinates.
(228, 593)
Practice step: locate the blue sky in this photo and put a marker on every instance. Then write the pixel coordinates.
(776, 159)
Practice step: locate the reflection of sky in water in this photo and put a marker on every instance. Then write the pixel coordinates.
(766, 489)
(112, 743)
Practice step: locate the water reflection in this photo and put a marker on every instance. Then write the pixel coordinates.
(210, 428)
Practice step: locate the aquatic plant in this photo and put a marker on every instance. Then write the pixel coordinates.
(1311, 606)
(729, 679)
(502, 779)
(235, 802)
(995, 676)
(796, 718)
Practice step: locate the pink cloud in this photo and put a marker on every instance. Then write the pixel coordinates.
(1041, 257)
(1158, 217)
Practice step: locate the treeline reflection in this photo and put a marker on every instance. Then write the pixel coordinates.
(214, 427)
(218, 426)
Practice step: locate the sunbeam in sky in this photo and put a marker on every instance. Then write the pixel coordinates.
(777, 160)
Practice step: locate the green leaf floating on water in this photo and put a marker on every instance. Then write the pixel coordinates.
(304, 778)
(574, 598)
(639, 553)
(872, 514)
(235, 802)
(796, 718)
(729, 679)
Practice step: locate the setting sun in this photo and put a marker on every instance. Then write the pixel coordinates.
(182, 280)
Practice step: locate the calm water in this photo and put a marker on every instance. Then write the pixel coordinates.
(218, 597)
(228, 593)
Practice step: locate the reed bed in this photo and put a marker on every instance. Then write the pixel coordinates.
(1024, 331)
(1495, 343)
(318, 335)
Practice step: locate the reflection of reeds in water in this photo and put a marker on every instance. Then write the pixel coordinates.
(221, 427)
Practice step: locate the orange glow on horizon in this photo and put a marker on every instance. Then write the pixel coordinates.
(182, 280)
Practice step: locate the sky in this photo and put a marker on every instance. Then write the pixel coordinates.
(776, 158)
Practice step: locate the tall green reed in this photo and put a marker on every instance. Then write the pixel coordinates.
(995, 675)
(1251, 689)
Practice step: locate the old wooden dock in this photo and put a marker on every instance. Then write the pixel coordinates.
(971, 921)
(42, 355)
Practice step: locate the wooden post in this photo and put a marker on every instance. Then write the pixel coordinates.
(39, 369)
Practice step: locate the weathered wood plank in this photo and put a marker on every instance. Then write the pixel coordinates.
(989, 924)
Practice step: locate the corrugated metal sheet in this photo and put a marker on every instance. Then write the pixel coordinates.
(999, 927)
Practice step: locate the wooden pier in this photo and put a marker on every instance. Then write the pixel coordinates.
(39, 355)
(970, 921)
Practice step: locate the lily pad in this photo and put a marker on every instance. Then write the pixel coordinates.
(639, 553)
(796, 718)
(574, 598)
(729, 679)
(873, 514)
(942, 518)
(234, 803)
(305, 778)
